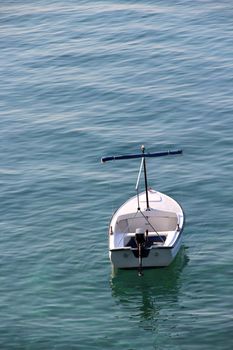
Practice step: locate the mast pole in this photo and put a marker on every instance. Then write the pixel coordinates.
(145, 177)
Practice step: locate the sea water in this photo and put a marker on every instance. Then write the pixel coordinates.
(86, 79)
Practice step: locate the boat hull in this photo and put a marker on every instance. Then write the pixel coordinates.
(164, 219)
(127, 258)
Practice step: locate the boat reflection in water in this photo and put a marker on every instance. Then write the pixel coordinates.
(145, 296)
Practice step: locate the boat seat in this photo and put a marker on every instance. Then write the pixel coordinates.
(160, 223)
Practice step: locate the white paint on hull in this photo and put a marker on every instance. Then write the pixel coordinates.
(168, 221)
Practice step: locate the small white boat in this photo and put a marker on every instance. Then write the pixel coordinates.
(146, 231)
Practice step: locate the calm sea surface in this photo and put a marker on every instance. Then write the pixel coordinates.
(85, 79)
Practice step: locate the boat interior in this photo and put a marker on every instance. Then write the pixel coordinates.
(157, 226)
(157, 239)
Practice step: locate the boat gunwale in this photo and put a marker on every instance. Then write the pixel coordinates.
(153, 247)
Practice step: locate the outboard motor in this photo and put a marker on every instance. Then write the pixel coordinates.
(140, 240)
(139, 236)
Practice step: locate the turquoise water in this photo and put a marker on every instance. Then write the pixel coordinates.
(85, 79)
